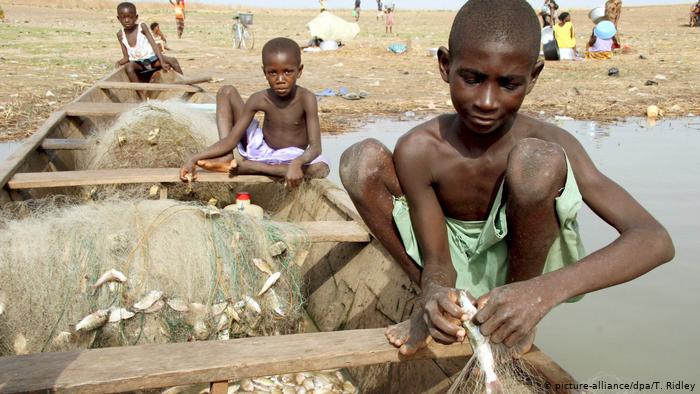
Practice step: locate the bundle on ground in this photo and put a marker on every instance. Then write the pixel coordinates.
(132, 272)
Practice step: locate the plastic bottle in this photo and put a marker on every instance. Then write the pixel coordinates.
(243, 205)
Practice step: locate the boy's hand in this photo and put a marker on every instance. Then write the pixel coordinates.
(166, 66)
(187, 172)
(442, 314)
(294, 175)
(509, 313)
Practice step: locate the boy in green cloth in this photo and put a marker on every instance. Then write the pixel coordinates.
(485, 199)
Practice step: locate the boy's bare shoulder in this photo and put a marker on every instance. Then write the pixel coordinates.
(418, 141)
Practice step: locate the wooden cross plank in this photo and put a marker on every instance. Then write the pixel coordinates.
(154, 366)
(335, 231)
(30, 180)
(149, 86)
(97, 109)
(65, 144)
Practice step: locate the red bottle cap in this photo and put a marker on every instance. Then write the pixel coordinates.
(243, 196)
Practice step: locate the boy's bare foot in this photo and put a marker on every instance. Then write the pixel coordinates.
(219, 164)
(233, 168)
(410, 335)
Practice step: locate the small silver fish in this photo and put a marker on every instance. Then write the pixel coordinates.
(110, 276)
(252, 304)
(262, 266)
(148, 300)
(269, 282)
(93, 321)
(20, 345)
(119, 314)
(275, 303)
(177, 304)
(158, 305)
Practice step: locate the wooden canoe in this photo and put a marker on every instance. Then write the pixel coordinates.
(353, 286)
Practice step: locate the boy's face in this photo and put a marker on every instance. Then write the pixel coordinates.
(488, 83)
(281, 71)
(127, 17)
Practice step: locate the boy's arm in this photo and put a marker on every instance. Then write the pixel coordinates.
(228, 143)
(125, 53)
(643, 244)
(156, 48)
(439, 277)
(313, 150)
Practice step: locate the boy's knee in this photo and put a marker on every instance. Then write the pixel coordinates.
(130, 67)
(536, 170)
(362, 161)
(227, 91)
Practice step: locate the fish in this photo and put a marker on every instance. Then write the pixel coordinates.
(289, 390)
(277, 248)
(263, 266)
(153, 136)
(309, 384)
(232, 313)
(93, 321)
(247, 385)
(219, 308)
(158, 305)
(223, 323)
(3, 301)
(481, 347)
(110, 276)
(119, 314)
(149, 299)
(252, 304)
(348, 387)
(177, 304)
(153, 191)
(20, 345)
(275, 303)
(233, 388)
(200, 330)
(266, 382)
(269, 282)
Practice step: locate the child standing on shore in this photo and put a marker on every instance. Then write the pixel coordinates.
(159, 37)
(566, 40)
(179, 6)
(389, 20)
(289, 142)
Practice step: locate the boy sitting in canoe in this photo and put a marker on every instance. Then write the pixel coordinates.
(142, 56)
(485, 199)
(289, 142)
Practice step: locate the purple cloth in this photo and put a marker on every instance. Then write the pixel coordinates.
(601, 45)
(257, 149)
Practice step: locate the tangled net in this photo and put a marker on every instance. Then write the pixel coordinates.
(193, 272)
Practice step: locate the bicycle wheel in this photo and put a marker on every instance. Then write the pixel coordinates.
(237, 36)
(248, 40)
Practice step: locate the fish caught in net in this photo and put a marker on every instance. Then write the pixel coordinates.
(493, 368)
(126, 272)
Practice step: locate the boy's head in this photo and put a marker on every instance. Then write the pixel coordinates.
(126, 13)
(564, 17)
(155, 26)
(492, 61)
(281, 58)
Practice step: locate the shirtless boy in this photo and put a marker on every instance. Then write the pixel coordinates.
(140, 53)
(493, 195)
(288, 144)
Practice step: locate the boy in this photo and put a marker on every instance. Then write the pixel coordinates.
(288, 144)
(493, 195)
(179, 6)
(159, 37)
(140, 53)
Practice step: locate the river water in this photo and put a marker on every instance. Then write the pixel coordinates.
(645, 330)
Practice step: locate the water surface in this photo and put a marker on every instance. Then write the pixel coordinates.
(644, 330)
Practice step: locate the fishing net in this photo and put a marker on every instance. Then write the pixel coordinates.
(193, 272)
(493, 368)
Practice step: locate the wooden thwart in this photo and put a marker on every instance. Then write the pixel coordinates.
(148, 86)
(154, 366)
(97, 109)
(335, 231)
(31, 180)
(65, 144)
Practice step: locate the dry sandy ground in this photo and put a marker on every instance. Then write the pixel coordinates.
(49, 55)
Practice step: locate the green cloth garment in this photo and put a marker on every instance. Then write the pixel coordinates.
(478, 248)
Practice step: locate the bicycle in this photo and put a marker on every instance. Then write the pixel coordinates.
(242, 35)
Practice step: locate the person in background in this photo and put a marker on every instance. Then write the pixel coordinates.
(356, 10)
(548, 12)
(389, 20)
(322, 5)
(159, 37)
(602, 41)
(179, 16)
(695, 15)
(564, 34)
(613, 8)
(380, 9)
